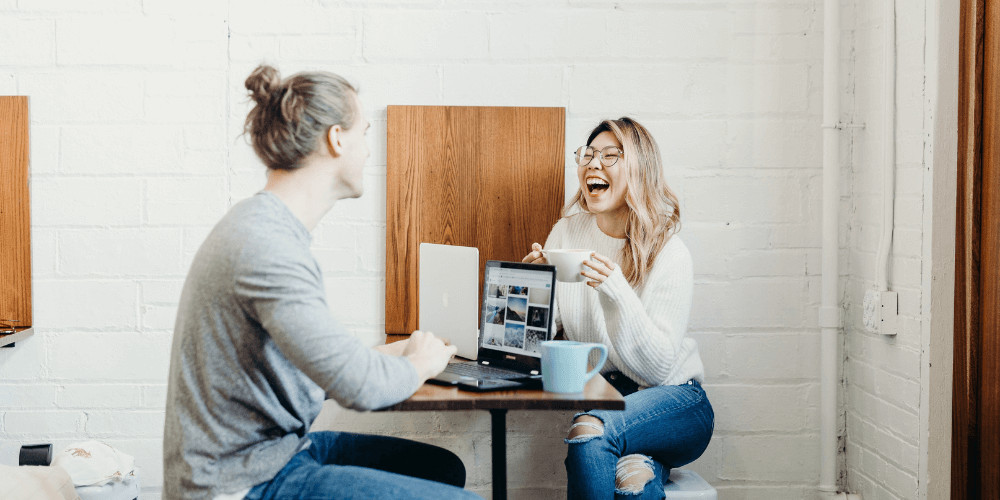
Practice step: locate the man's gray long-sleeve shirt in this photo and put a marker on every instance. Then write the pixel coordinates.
(255, 352)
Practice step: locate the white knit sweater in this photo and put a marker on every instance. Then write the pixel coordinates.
(644, 329)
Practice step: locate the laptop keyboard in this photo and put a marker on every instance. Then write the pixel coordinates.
(482, 372)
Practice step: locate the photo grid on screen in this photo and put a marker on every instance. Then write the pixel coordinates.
(517, 317)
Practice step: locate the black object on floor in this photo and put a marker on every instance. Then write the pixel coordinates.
(35, 454)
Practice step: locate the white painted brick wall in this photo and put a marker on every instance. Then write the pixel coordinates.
(75, 202)
(883, 392)
(136, 109)
(18, 37)
(88, 304)
(50, 423)
(93, 396)
(115, 40)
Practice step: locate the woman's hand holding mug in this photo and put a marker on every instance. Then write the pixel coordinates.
(535, 257)
(600, 269)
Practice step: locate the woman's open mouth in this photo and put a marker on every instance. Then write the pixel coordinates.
(596, 185)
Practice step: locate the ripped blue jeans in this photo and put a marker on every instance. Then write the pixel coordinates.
(670, 425)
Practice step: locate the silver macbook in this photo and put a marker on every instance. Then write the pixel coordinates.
(448, 295)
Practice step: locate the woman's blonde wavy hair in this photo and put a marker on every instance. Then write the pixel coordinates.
(653, 210)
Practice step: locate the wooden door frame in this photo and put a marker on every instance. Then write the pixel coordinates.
(976, 380)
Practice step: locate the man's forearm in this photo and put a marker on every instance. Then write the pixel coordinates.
(393, 349)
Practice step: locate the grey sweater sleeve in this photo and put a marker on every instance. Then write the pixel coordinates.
(285, 295)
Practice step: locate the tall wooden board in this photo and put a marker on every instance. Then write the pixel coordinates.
(15, 217)
(485, 177)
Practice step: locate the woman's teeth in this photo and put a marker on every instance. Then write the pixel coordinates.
(595, 186)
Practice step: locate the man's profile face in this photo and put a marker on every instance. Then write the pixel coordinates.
(356, 150)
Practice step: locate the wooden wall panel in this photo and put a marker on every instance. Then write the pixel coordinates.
(486, 177)
(989, 385)
(15, 219)
(976, 386)
(965, 470)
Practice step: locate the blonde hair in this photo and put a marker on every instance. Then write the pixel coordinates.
(653, 210)
(291, 116)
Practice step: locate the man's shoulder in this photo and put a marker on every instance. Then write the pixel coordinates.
(264, 223)
(253, 234)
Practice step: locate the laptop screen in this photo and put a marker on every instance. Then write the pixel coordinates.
(517, 307)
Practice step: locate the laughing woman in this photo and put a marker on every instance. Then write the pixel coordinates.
(637, 304)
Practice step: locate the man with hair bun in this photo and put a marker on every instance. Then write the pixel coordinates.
(256, 350)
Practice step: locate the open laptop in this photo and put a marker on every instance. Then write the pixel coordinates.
(515, 317)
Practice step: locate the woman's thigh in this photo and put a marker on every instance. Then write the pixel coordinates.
(672, 424)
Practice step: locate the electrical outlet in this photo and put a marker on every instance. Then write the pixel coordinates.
(888, 313)
(870, 313)
(880, 312)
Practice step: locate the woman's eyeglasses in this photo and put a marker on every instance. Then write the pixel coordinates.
(609, 155)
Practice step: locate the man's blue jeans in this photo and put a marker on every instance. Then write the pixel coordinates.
(671, 424)
(342, 465)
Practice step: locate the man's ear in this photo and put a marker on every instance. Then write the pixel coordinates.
(334, 142)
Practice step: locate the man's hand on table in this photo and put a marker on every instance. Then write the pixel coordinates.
(429, 354)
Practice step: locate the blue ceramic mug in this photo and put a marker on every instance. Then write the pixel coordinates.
(564, 365)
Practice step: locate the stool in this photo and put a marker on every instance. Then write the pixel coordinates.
(687, 484)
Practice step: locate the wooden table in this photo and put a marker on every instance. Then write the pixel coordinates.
(598, 394)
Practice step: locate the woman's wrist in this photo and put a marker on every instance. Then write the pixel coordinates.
(612, 286)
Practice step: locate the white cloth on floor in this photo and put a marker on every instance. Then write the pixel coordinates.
(93, 463)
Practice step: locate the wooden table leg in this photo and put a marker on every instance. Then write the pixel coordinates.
(498, 419)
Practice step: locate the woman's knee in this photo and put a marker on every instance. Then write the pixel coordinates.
(585, 427)
(633, 473)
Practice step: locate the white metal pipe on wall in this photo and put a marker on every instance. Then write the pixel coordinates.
(829, 313)
(888, 144)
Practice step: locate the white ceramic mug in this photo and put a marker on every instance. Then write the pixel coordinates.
(568, 262)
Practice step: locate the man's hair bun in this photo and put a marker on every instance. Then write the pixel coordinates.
(291, 115)
(263, 84)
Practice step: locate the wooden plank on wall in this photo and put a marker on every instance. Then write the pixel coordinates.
(989, 295)
(486, 177)
(15, 218)
(975, 396)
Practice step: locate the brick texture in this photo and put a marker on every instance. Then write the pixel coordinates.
(882, 374)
